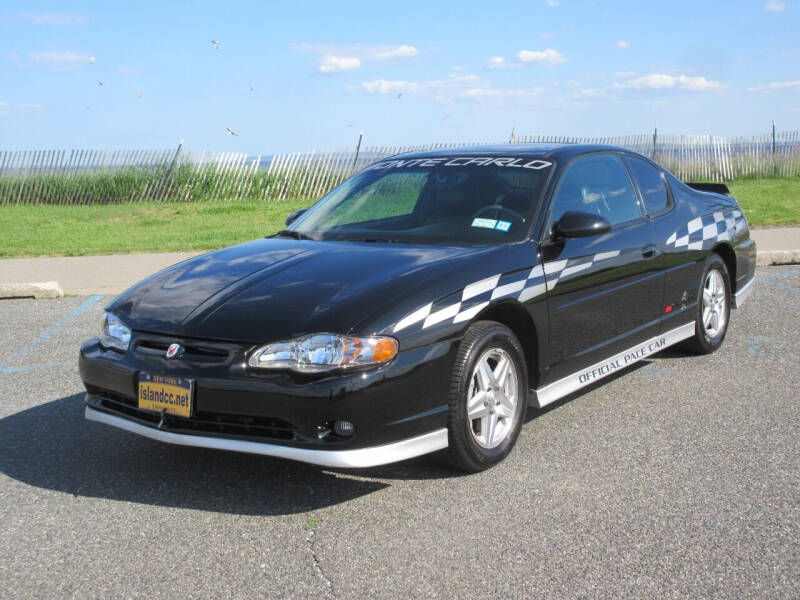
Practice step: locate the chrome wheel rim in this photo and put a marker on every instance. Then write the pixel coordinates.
(714, 304)
(492, 398)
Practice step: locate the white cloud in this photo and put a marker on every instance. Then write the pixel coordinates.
(547, 35)
(547, 56)
(382, 86)
(336, 64)
(60, 59)
(660, 81)
(338, 58)
(7, 108)
(775, 86)
(775, 6)
(551, 2)
(621, 44)
(496, 62)
(53, 18)
(463, 87)
(403, 51)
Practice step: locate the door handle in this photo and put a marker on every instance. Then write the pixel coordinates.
(650, 251)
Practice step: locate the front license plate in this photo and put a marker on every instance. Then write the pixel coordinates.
(160, 393)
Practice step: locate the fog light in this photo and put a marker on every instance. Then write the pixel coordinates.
(344, 428)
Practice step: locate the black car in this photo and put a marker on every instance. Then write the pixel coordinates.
(422, 305)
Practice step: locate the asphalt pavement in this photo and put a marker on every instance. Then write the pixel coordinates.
(679, 478)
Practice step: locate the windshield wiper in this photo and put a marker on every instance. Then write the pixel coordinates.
(293, 234)
(382, 241)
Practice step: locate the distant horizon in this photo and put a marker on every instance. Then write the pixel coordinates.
(285, 78)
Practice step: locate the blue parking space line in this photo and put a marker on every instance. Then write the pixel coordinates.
(53, 331)
(10, 370)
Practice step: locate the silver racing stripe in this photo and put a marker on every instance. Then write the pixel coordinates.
(704, 232)
(473, 296)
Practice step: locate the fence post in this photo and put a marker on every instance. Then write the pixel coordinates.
(655, 139)
(774, 161)
(358, 147)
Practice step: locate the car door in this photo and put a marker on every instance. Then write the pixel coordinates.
(604, 291)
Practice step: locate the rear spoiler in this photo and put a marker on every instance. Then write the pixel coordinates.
(717, 188)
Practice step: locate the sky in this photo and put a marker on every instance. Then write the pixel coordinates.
(291, 76)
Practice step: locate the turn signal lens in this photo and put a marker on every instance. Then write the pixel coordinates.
(385, 348)
(321, 352)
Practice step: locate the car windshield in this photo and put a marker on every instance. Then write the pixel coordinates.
(437, 200)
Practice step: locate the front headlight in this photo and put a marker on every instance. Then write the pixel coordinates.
(324, 351)
(115, 333)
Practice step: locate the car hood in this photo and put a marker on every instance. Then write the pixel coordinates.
(277, 288)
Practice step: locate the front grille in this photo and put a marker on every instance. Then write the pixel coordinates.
(192, 351)
(259, 428)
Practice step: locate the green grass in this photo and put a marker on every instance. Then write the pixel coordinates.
(49, 230)
(769, 200)
(37, 230)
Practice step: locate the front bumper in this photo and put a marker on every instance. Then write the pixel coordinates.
(399, 411)
(363, 457)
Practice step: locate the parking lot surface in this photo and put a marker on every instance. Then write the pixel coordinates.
(680, 478)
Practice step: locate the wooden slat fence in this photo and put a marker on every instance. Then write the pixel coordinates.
(111, 176)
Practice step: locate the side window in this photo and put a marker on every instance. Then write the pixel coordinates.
(651, 184)
(597, 184)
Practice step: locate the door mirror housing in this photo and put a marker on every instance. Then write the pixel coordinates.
(292, 217)
(575, 224)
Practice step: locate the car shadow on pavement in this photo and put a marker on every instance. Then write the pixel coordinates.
(51, 446)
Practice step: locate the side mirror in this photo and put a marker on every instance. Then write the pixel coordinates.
(574, 224)
(293, 216)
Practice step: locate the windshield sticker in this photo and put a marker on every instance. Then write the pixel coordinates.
(485, 223)
(464, 161)
(503, 225)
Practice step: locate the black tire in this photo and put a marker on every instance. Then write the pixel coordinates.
(464, 452)
(702, 342)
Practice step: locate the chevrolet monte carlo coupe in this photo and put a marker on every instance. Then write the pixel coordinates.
(422, 305)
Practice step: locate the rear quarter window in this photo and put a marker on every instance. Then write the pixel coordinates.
(651, 184)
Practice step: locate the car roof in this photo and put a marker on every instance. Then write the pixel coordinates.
(555, 152)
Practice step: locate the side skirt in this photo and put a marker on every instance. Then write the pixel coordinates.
(571, 383)
(743, 293)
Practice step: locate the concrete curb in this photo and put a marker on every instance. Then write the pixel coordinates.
(777, 257)
(37, 290)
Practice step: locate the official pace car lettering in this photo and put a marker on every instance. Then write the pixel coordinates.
(629, 358)
(474, 296)
(704, 232)
(464, 161)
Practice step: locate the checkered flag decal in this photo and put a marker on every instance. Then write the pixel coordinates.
(477, 296)
(704, 232)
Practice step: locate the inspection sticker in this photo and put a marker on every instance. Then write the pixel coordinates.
(485, 223)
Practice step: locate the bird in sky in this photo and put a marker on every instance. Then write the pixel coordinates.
(232, 132)
(215, 43)
(252, 89)
(100, 83)
(400, 95)
(138, 94)
(90, 107)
